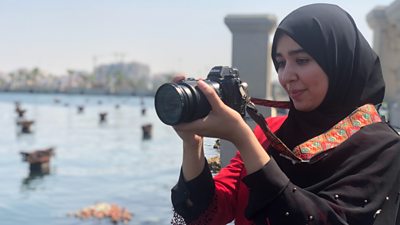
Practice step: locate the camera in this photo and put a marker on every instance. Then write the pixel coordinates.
(183, 101)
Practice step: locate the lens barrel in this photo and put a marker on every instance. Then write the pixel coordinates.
(184, 102)
(169, 103)
(181, 102)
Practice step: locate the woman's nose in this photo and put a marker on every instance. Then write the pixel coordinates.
(288, 74)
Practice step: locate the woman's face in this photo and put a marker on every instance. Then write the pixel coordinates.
(300, 75)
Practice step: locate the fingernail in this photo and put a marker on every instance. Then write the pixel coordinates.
(200, 82)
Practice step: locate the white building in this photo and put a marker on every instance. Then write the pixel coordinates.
(123, 77)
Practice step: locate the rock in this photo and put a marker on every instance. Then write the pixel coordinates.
(104, 210)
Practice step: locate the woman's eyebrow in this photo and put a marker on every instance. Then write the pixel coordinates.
(297, 51)
(292, 52)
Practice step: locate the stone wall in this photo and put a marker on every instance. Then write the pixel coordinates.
(251, 56)
(385, 22)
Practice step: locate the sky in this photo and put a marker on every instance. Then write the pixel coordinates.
(183, 36)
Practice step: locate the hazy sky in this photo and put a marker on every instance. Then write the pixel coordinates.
(168, 35)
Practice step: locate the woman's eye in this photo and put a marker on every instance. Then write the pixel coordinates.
(302, 61)
(281, 64)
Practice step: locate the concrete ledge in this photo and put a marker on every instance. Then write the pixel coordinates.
(252, 23)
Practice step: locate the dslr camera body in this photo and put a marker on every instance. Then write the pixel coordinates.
(183, 102)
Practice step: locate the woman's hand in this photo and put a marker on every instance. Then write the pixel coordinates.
(222, 121)
(189, 138)
(193, 152)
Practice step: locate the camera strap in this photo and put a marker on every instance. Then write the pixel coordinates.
(270, 103)
(274, 141)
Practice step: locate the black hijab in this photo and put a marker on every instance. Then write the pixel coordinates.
(329, 35)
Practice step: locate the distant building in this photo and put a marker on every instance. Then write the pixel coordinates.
(4, 81)
(123, 77)
(74, 82)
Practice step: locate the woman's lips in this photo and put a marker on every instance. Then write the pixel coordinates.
(295, 94)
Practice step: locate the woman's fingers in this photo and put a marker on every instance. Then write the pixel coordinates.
(178, 78)
(220, 122)
(211, 95)
(194, 126)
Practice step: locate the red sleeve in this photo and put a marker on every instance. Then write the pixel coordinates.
(227, 184)
(229, 187)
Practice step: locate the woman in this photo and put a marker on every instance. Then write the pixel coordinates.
(337, 162)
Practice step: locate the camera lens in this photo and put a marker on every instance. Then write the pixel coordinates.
(170, 103)
(181, 102)
(184, 102)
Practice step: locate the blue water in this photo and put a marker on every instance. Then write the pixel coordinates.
(94, 162)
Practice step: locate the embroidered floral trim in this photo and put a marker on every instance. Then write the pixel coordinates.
(205, 218)
(343, 130)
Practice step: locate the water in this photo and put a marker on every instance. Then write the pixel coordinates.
(94, 162)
